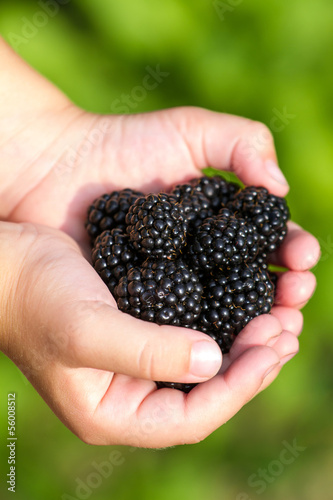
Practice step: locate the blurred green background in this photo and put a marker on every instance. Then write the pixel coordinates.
(257, 59)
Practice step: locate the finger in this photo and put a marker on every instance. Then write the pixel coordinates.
(299, 252)
(262, 330)
(229, 142)
(220, 398)
(291, 319)
(294, 289)
(79, 321)
(104, 338)
(287, 347)
(157, 418)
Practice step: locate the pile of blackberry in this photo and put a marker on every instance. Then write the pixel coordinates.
(196, 257)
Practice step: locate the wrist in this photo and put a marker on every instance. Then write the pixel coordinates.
(23, 89)
(33, 117)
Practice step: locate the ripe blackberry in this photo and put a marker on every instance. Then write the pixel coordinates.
(157, 226)
(269, 214)
(113, 256)
(195, 204)
(109, 211)
(223, 241)
(216, 189)
(174, 385)
(161, 291)
(231, 300)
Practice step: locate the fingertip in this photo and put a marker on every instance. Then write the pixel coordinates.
(275, 173)
(291, 319)
(254, 159)
(300, 250)
(286, 345)
(294, 288)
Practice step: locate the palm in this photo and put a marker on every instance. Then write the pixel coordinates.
(146, 153)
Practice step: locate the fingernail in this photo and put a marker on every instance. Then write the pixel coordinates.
(287, 358)
(206, 359)
(275, 172)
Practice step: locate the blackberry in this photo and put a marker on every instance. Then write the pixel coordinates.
(157, 226)
(175, 385)
(109, 211)
(231, 300)
(113, 256)
(161, 291)
(218, 191)
(223, 241)
(195, 204)
(269, 214)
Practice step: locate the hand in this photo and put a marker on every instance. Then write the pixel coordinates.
(59, 163)
(88, 381)
(94, 365)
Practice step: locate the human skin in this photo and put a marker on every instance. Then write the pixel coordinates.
(93, 365)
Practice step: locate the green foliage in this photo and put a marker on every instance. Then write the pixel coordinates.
(257, 59)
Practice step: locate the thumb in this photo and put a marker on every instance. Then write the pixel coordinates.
(102, 337)
(67, 315)
(232, 143)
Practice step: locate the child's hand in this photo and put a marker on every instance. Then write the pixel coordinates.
(95, 366)
(59, 323)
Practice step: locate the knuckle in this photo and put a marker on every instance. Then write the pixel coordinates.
(261, 130)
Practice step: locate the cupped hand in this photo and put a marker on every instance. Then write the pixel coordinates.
(95, 366)
(101, 364)
(63, 167)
